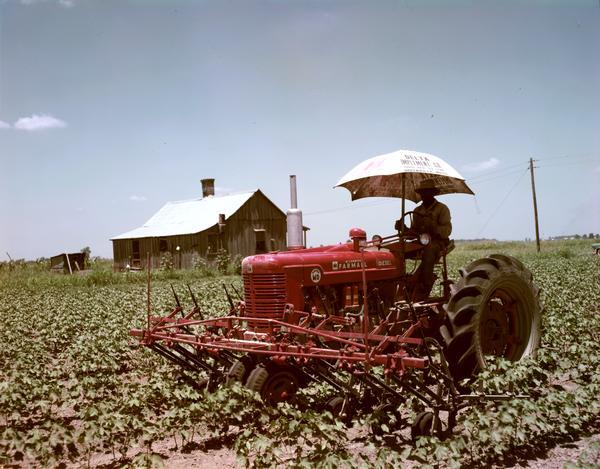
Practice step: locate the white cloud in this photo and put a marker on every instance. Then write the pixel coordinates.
(137, 198)
(39, 122)
(62, 3)
(597, 170)
(481, 166)
(4, 125)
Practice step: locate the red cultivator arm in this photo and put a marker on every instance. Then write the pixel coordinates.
(284, 354)
(283, 341)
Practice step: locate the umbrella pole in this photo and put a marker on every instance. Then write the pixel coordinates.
(402, 225)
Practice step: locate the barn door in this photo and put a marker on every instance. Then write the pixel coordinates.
(260, 244)
(135, 254)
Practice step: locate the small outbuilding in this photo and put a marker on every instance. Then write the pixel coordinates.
(244, 224)
(68, 263)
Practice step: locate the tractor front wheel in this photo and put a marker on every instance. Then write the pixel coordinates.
(240, 370)
(275, 383)
(494, 310)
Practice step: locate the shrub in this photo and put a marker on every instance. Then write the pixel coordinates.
(202, 266)
(223, 259)
(235, 266)
(166, 262)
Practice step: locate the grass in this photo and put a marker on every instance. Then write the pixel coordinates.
(35, 274)
(38, 275)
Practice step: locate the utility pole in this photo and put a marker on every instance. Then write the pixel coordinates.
(535, 212)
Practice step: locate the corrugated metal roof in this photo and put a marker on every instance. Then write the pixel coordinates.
(188, 216)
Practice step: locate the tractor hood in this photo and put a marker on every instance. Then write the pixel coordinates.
(324, 265)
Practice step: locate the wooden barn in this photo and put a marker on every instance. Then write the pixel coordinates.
(243, 224)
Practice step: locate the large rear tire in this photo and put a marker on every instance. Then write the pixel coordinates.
(494, 310)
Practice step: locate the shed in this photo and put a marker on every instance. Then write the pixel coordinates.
(68, 262)
(243, 223)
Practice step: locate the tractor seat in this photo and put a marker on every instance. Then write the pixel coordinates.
(416, 255)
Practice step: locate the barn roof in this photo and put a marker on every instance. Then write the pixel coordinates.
(188, 216)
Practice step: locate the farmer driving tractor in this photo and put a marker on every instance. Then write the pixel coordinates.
(433, 218)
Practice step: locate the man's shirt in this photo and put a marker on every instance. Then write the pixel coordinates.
(434, 220)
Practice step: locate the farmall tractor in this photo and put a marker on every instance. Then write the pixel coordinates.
(343, 315)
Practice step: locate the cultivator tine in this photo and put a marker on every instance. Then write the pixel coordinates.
(196, 307)
(316, 375)
(191, 357)
(236, 292)
(176, 297)
(193, 383)
(377, 384)
(169, 355)
(229, 299)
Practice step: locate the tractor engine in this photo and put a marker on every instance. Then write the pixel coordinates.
(325, 280)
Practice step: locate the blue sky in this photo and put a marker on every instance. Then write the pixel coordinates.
(109, 109)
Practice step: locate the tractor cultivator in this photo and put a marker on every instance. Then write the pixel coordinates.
(357, 330)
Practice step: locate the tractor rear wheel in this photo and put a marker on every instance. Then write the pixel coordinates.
(494, 310)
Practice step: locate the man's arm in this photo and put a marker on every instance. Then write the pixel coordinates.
(444, 224)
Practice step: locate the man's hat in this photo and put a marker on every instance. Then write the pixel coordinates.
(427, 185)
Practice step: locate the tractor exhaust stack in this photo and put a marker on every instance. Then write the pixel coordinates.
(295, 239)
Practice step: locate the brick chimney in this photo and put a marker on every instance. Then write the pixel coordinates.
(208, 187)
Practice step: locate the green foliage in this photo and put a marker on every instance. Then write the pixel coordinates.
(222, 260)
(88, 252)
(202, 266)
(285, 435)
(72, 386)
(235, 265)
(166, 262)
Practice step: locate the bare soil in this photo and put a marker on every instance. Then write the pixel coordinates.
(206, 453)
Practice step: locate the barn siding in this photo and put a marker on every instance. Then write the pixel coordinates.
(238, 237)
(258, 213)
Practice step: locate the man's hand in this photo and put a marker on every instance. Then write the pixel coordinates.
(398, 226)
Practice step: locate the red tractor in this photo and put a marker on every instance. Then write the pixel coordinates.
(493, 309)
(344, 315)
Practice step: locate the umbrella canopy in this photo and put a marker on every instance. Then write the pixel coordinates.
(381, 176)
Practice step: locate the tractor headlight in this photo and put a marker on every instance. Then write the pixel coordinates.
(424, 239)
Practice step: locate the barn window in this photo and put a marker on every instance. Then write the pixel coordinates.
(163, 245)
(260, 236)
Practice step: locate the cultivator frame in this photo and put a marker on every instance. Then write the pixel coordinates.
(376, 367)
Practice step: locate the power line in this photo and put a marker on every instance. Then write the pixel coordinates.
(501, 203)
(481, 179)
(498, 170)
(509, 173)
(509, 168)
(585, 155)
(572, 163)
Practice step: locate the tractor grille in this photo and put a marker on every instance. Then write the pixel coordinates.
(265, 295)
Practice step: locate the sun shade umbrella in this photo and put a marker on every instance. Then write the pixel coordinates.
(397, 174)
